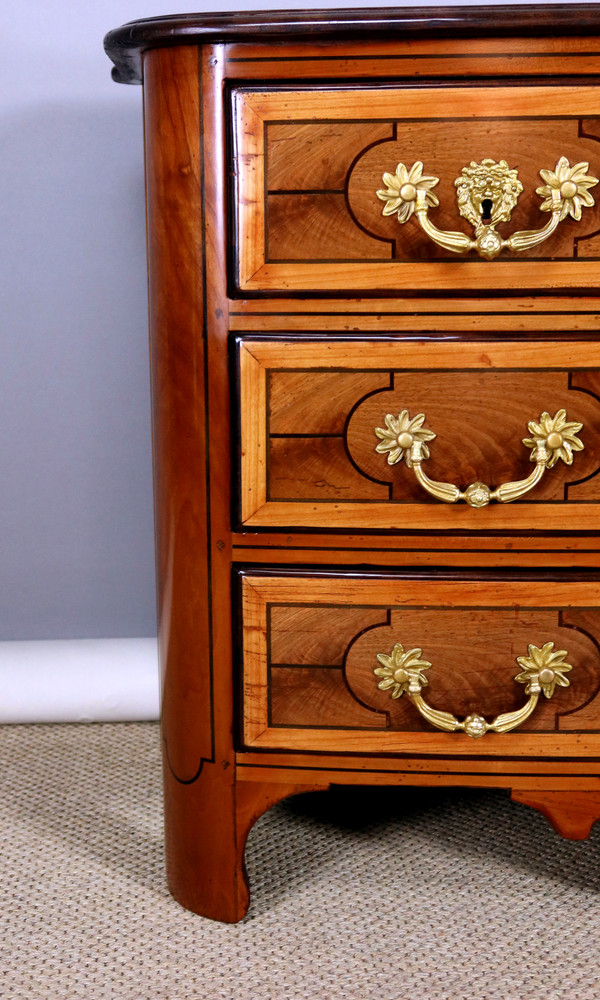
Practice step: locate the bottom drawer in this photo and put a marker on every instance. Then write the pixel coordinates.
(412, 663)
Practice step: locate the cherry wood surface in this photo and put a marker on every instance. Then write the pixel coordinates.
(424, 549)
(479, 419)
(473, 675)
(525, 58)
(270, 383)
(571, 815)
(547, 318)
(178, 350)
(309, 409)
(335, 236)
(321, 181)
(310, 646)
(445, 148)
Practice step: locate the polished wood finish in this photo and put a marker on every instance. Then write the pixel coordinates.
(339, 240)
(571, 815)
(475, 57)
(178, 344)
(309, 409)
(319, 190)
(470, 629)
(126, 45)
(199, 787)
(286, 318)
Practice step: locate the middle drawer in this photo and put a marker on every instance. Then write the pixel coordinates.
(384, 433)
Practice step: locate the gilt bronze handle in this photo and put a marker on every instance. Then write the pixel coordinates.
(487, 192)
(401, 672)
(406, 437)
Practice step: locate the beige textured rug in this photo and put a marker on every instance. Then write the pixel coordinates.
(357, 895)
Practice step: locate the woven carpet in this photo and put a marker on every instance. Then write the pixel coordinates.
(383, 894)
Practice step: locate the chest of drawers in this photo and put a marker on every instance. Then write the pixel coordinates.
(374, 254)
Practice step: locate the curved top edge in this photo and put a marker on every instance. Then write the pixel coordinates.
(126, 45)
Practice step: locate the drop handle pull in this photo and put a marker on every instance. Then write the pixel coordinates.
(542, 670)
(487, 193)
(405, 437)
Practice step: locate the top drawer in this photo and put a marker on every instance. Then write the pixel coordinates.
(309, 163)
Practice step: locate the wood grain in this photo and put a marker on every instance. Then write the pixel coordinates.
(204, 867)
(473, 655)
(317, 227)
(448, 146)
(317, 696)
(253, 434)
(424, 58)
(383, 320)
(302, 555)
(461, 307)
(443, 590)
(479, 409)
(315, 156)
(316, 469)
(360, 768)
(309, 401)
(562, 789)
(305, 224)
(495, 619)
(467, 112)
(571, 814)
(480, 419)
(178, 346)
(383, 354)
(303, 635)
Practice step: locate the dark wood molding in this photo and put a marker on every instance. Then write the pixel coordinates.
(126, 45)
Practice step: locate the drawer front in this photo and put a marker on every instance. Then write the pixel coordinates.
(320, 431)
(327, 661)
(309, 164)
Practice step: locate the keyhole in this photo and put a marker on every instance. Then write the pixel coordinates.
(486, 210)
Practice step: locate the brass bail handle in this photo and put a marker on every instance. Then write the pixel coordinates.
(405, 437)
(543, 669)
(487, 192)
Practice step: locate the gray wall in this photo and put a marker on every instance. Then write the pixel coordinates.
(76, 546)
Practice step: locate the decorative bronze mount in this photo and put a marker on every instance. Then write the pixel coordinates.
(542, 670)
(487, 192)
(552, 438)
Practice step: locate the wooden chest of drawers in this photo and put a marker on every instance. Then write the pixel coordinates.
(374, 256)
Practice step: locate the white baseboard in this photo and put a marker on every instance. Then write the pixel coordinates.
(79, 680)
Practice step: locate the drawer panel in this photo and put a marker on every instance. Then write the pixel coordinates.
(323, 655)
(316, 437)
(309, 163)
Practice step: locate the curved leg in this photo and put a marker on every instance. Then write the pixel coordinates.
(252, 800)
(572, 814)
(206, 825)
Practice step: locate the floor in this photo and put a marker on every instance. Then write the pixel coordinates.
(375, 894)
